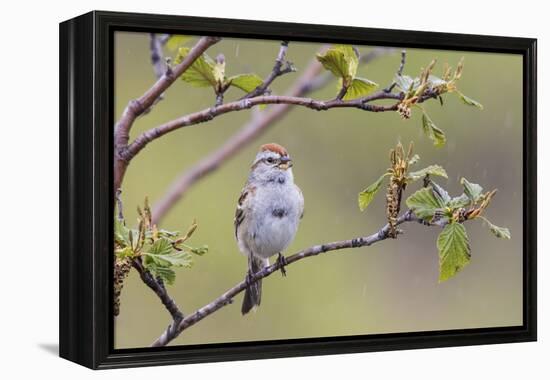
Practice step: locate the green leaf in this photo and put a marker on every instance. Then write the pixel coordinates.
(201, 72)
(359, 88)
(499, 232)
(122, 233)
(459, 202)
(199, 250)
(435, 134)
(366, 196)
(124, 252)
(469, 101)
(454, 250)
(341, 60)
(166, 274)
(176, 40)
(472, 190)
(406, 83)
(162, 253)
(431, 170)
(424, 203)
(161, 247)
(246, 82)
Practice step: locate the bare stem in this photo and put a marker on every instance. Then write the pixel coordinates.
(399, 71)
(277, 71)
(159, 289)
(226, 298)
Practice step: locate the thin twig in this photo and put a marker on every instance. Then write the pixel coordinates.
(157, 56)
(277, 71)
(137, 106)
(119, 204)
(159, 289)
(227, 298)
(399, 71)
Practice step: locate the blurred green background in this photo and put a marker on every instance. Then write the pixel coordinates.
(389, 287)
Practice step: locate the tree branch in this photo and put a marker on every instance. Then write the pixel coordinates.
(136, 107)
(210, 113)
(159, 290)
(226, 298)
(312, 79)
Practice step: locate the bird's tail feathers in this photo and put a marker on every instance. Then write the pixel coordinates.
(253, 293)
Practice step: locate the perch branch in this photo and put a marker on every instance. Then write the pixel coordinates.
(177, 327)
(311, 80)
(136, 107)
(159, 289)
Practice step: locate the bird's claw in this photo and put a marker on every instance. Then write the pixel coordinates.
(281, 261)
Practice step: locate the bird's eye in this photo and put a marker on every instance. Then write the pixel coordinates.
(270, 160)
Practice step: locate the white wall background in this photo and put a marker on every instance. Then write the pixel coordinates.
(29, 162)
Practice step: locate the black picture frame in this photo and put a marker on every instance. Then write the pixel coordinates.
(86, 201)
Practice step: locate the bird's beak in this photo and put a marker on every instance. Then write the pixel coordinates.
(286, 163)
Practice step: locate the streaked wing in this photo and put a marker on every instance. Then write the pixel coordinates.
(301, 201)
(241, 206)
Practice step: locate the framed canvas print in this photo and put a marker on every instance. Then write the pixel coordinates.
(238, 189)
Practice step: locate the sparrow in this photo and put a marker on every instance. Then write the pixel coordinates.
(268, 213)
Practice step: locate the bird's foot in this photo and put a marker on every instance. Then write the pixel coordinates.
(281, 261)
(249, 279)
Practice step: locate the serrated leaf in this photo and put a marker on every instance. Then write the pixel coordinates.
(175, 41)
(431, 170)
(201, 72)
(245, 82)
(440, 193)
(424, 203)
(499, 232)
(454, 250)
(366, 196)
(435, 134)
(469, 101)
(167, 275)
(161, 247)
(122, 233)
(406, 83)
(359, 88)
(174, 258)
(458, 202)
(341, 60)
(472, 190)
(162, 253)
